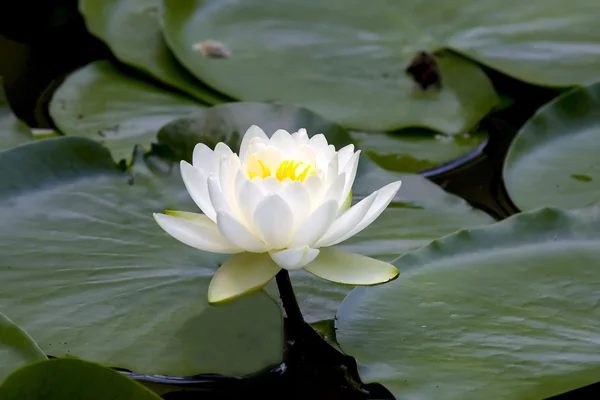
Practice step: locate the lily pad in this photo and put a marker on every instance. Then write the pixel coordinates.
(86, 270)
(16, 348)
(100, 102)
(416, 150)
(554, 159)
(345, 65)
(12, 131)
(228, 123)
(506, 311)
(131, 29)
(70, 378)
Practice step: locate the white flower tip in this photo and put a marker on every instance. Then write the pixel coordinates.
(184, 164)
(294, 259)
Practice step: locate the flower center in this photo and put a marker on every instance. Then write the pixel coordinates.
(294, 170)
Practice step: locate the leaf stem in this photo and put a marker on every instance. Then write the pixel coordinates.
(288, 298)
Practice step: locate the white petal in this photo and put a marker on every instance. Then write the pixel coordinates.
(270, 185)
(336, 189)
(222, 151)
(315, 226)
(306, 154)
(283, 141)
(301, 137)
(294, 259)
(274, 222)
(351, 269)
(237, 233)
(251, 133)
(243, 273)
(202, 158)
(332, 169)
(196, 230)
(350, 169)
(196, 184)
(230, 166)
(271, 157)
(346, 221)
(216, 196)
(318, 141)
(296, 196)
(315, 187)
(383, 199)
(344, 155)
(249, 195)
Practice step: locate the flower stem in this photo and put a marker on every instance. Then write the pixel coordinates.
(288, 298)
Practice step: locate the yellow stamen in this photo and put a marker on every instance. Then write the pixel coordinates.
(285, 170)
(265, 171)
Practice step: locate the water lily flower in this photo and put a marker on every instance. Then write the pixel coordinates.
(281, 203)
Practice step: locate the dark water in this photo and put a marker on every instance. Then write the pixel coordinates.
(42, 54)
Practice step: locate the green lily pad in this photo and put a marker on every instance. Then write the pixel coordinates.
(420, 213)
(416, 150)
(100, 102)
(12, 131)
(86, 270)
(345, 65)
(16, 348)
(131, 29)
(554, 159)
(228, 123)
(507, 311)
(71, 379)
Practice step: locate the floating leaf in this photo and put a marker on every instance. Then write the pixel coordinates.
(228, 123)
(554, 159)
(16, 348)
(131, 29)
(86, 270)
(346, 65)
(507, 311)
(119, 110)
(416, 150)
(71, 378)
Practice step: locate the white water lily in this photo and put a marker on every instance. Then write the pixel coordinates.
(282, 203)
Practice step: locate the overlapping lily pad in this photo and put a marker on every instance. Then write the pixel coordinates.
(421, 212)
(345, 65)
(416, 150)
(507, 311)
(131, 29)
(100, 102)
(71, 379)
(16, 348)
(555, 158)
(87, 271)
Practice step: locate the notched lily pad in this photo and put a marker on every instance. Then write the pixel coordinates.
(554, 159)
(87, 271)
(131, 29)
(99, 101)
(505, 311)
(346, 65)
